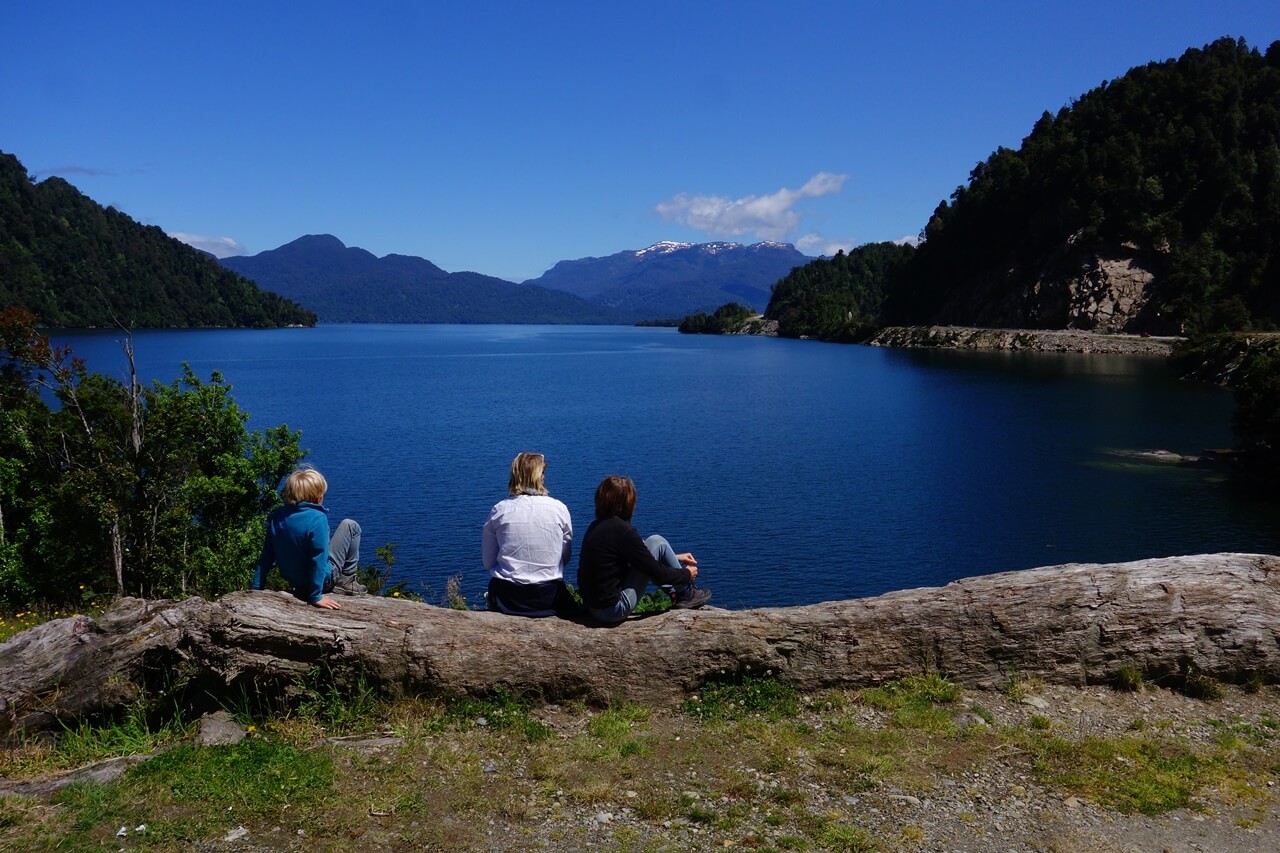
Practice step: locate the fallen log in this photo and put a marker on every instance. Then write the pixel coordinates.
(1217, 614)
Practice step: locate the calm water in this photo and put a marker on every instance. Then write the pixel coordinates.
(795, 471)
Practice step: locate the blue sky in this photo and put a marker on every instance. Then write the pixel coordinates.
(503, 137)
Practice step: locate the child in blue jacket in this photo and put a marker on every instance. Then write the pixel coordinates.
(298, 542)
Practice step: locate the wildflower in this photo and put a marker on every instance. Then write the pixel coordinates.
(395, 594)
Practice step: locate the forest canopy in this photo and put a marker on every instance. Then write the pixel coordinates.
(1176, 164)
(110, 487)
(1173, 168)
(77, 264)
(838, 299)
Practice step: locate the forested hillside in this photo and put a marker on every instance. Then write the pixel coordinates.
(838, 299)
(1150, 204)
(1173, 169)
(75, 263)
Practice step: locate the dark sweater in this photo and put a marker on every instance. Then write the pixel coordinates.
(610, 549)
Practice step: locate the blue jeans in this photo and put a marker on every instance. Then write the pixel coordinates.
(344, 552)
(634, 584)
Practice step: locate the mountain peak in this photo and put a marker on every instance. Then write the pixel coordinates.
(671, 279)
(316, 242)
(663, 247)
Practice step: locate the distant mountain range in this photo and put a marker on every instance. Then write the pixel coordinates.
(344, 284)
(674, 279)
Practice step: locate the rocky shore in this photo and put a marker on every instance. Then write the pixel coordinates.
(1025, 340)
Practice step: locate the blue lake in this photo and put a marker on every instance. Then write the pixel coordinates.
(795, 471)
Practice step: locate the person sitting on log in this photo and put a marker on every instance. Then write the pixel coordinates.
(298, 542)
(527, 542)
(616, 565)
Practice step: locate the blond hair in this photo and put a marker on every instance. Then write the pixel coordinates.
(305, 484)
(528, 472)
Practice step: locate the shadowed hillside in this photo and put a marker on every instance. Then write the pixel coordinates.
(74, 263)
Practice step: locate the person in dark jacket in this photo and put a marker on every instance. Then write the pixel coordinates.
(615, 564)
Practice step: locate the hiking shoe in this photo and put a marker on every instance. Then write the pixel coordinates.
(690, 598)
(348, 585)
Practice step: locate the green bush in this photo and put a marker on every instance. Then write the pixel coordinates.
(157, 491)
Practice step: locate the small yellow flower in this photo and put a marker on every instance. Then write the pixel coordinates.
(252, 728)
(395, 594)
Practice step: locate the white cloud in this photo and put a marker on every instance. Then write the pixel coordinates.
(816, 244)
(219, 247)
(768, 217)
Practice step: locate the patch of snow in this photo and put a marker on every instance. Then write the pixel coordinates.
(664, 247)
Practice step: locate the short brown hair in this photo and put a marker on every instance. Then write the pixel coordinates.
(528, 474)
(616, 496)
(305, 484)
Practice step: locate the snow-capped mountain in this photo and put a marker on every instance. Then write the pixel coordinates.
(670, 279)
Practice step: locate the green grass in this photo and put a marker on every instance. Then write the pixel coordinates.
(748, 763)
(742, 696)
(1133, 775)
(190, 792)
(1128, 679)
(917, 702)
(15, 622)
(84, 744)
(1198, 685)
(655, 601)
(914, 691)
(338, 710)
(501, 711)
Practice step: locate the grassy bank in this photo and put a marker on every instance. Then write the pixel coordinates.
(917, 764)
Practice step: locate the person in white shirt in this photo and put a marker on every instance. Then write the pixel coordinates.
(527, 542)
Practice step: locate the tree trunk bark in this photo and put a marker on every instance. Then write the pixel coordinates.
(117, 554)
(1216, 614)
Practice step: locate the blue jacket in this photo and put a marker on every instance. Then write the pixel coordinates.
(297, 541)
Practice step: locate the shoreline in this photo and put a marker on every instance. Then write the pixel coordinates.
(1022, 340)
(991, 339)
